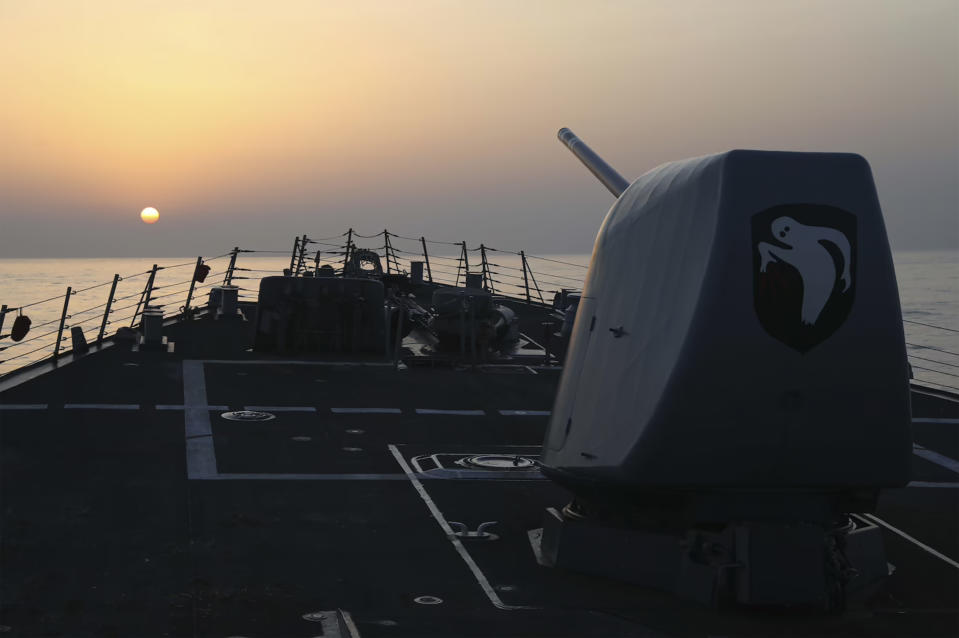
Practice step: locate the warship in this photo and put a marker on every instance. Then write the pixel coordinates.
(711, 431)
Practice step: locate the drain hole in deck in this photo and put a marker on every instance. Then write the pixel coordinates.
(247, 415)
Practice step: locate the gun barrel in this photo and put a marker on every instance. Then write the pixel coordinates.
(605, 173)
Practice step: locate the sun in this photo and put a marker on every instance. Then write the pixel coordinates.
(149, 215)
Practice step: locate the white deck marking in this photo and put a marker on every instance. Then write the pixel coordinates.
(306, 477)
(23, 406)
(101, 406)
(952, 486)
(200, 454)
(909, 538)
(266, 362)
(457, 544)
(351, 627)
(366, 411)
(280, 408)
(451, 412)
(222, 408)
(525, 412)
(925, 420)
(934, 457)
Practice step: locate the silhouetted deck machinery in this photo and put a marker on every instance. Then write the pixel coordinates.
(368, 311)
(736, 387)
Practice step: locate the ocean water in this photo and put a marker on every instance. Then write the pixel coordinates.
(928, 289)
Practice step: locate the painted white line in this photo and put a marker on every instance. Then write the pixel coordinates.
(24, 406)
(525, 412)
(936, 393)
(366, 411)
(909, 538)
(266, 362)
(952, 486)
(934, 457)
(925, 420)
(280, 408)
(457, 544)
(523, 335)
(306, 477)
(221, 408)
(101, 406)
(451, 412)
(200, 453)
(351, 627)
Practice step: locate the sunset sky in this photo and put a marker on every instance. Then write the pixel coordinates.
(249, 122)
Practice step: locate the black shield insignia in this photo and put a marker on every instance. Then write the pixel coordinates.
(804, 271)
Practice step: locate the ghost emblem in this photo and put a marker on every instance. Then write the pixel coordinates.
(804, 251)
(804, 258)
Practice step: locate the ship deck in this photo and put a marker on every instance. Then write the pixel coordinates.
(131, 508)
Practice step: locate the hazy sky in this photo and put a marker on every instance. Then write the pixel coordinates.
(248, 122)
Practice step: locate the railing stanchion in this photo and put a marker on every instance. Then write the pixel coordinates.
(487, 276)
(3, 315)
(106, 311)
(228, 278)
(535, 285)
(144, 296)
(522, 255)
(301, 261)
(464, 265)
(349, 245)
(386, 249)
(63, 320)
(316, 262)
(296, 248)
(426, 258)
(189, 294)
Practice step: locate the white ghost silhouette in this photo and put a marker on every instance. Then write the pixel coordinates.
(805, 252)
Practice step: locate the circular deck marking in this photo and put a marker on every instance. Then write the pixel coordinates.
(499, 462)
(314, 616)
(428, 600)
(247, 415)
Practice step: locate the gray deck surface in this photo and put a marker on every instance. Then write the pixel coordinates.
(104, 534)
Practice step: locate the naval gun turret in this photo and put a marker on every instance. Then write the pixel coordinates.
(736, 385)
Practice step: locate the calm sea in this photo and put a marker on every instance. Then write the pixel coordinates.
(928, 287)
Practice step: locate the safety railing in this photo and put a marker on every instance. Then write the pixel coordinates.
(99, 310)
(933, 360)
(516, 275)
